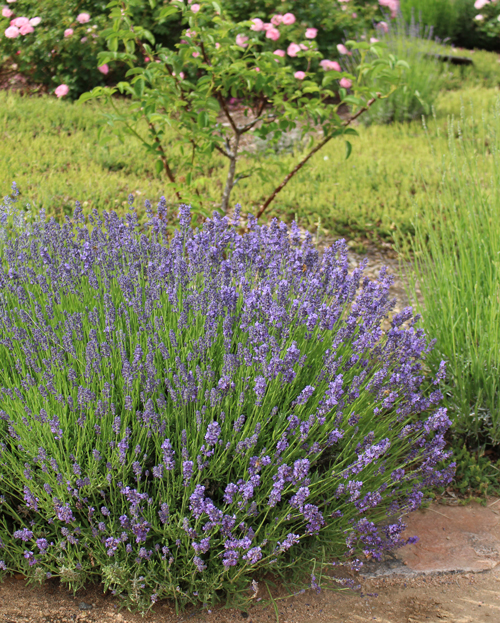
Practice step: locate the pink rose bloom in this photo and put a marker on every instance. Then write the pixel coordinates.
(267, 26)
(273, 34)
(62, 90)
(293, 49)
(83, 18)
(68, 32)
(373, 40)
(343, 0)
(382, 26)
(354, 15)
(146, 60)
(12, 32)
(190, 33)
(181, 75)
(392, 5)
(34, 21)
(27, 29)
(342, 49)
(257, 68)
(478, 4)
(10, 1)
(300, 75)
(303, 46)
(280, 53)
(195, 54)
(217, 45)
(289, 19)
(195, 8)
(276, 20)
(330, 65)
(346, 83)
(311, 33)
(257, 25)
(20, 21)
(241, 40)
(6, 12)
(83, 40)
(104, 69)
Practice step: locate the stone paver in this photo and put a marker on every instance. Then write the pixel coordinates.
(451, 539)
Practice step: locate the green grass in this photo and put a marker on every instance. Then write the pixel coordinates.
(457, 248)
(50, 149)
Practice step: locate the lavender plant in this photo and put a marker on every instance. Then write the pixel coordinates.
(181, 415)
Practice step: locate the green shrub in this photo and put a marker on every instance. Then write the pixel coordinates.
(50, 56)
(180, 416)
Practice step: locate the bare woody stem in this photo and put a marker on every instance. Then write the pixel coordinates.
(163, 158)
(233, 155)
(319, 146)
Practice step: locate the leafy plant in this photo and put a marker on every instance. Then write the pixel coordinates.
(188, 90)
(57, 49)
(476, 473)
(180, 416)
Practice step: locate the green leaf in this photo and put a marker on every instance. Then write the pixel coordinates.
(139, 87)
(216, 7)
(113, 44)
(402, 64)
(350, 99)
(348, 149)
(159, 167)
(167, 12)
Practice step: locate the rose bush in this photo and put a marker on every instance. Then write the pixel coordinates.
(60, 49)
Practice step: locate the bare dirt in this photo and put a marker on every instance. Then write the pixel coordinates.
(458, 598)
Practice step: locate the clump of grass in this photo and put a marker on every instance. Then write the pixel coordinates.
(442, 15)
(420, 83)
(457, 248)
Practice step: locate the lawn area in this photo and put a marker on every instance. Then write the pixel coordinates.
(50, 149)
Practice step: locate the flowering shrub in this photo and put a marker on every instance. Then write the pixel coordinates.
(58, 43)
(54, 47)
(334, 20)
(180, 416)
(487, 18)
(273, 69)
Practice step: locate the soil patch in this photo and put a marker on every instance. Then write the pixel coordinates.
(423, 596)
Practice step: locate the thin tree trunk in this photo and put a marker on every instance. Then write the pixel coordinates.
(230, 174)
